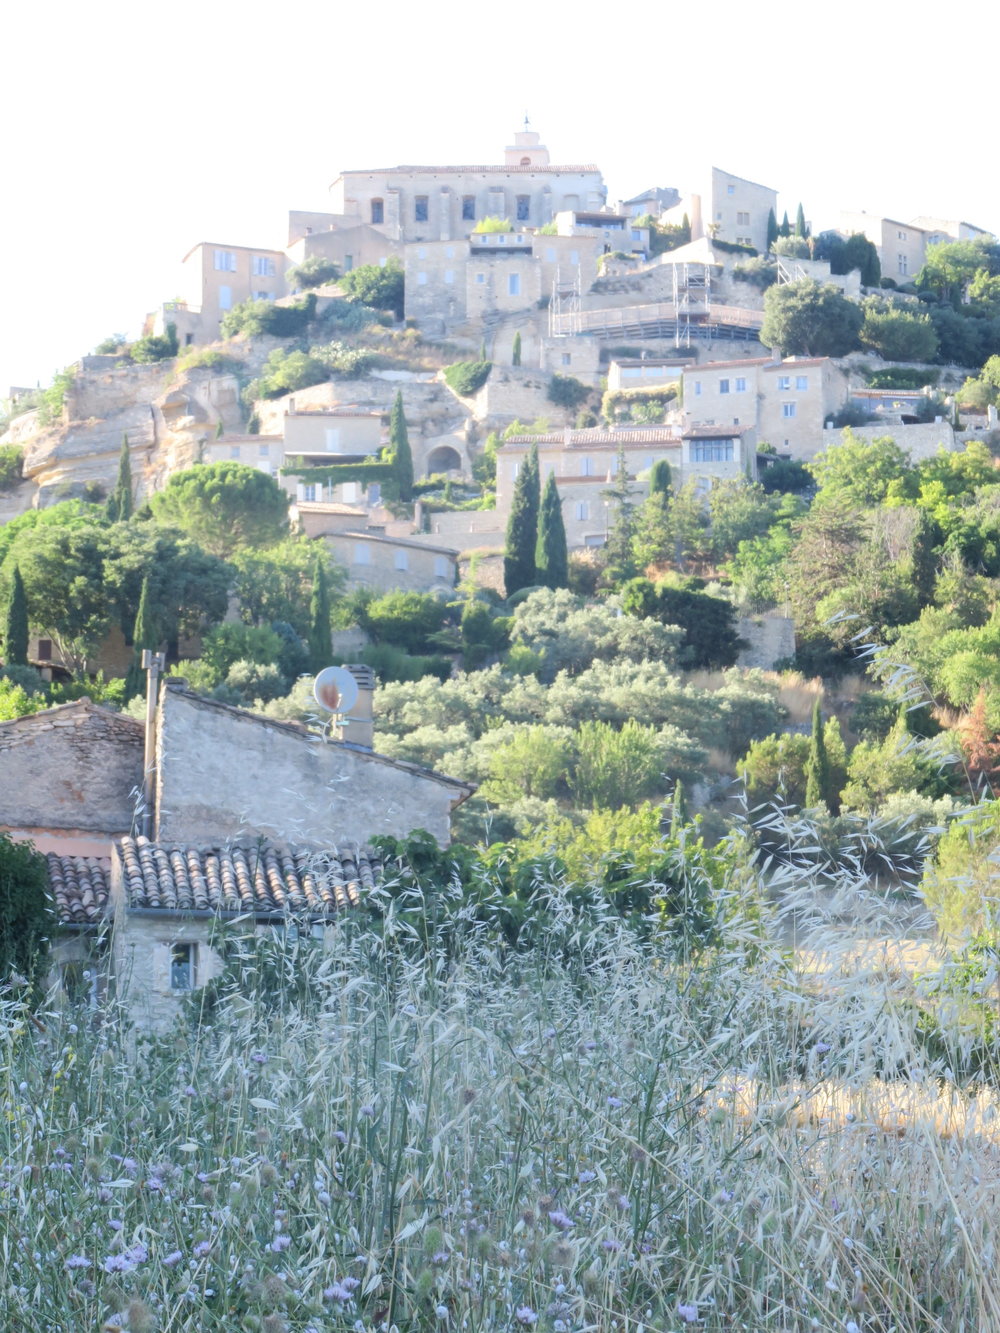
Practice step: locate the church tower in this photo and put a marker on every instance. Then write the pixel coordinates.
(526, 151)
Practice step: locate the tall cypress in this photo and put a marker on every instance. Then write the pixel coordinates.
(660, 478)
(15, 625)
(785, 229)
(772, 228)
(551, 557)
(319, 619)
(402, 455)
(522, 528)
(120, 505)
(800, 223)
(515, 356)
(144, 636)
(817, 764)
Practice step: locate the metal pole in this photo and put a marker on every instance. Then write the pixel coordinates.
(152, 664)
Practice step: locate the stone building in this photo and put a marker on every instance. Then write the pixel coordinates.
(214, 278)
(728, 208)
(902, 246)
(443, 203)
(386, 563)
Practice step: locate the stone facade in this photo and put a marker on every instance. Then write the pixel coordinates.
(224, 773)
(384, 564)
(217, 277)
(70, 777)
(729, 207)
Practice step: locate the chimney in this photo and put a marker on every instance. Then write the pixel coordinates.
(359, 727)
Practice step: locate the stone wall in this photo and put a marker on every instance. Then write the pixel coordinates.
(76, 767)
(225, 773)
(770, 638)
(141, 951)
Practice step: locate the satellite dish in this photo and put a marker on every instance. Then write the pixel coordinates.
(335, 689)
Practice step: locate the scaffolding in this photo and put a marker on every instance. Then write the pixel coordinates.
(566, 305)
(692, 300)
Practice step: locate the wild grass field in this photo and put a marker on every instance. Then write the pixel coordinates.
(603, 1132)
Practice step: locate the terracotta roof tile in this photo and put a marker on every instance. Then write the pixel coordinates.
(269, 880)
(79, 886)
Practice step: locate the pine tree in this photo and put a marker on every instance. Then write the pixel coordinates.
(402, 455)
(660, 477)
(319, 619)
(801, 229)
(772, 228)
(785, 229)
(120, 506)
(515, 356)
(817, 765)
(551, 557)
(144, 636)
(522, 528)
(15, 626)
(678, 810)
(619, 558)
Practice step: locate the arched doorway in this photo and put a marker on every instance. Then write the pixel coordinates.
(443, 458)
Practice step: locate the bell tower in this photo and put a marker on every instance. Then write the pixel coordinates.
(526, 151)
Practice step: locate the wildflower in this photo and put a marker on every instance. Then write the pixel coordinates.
(525, 1315)
(336, 1292)
(440, 1257)
(615, 1103)
(324, 1197)
(821, 1047)
(350, 1283)
(340, 1136)
(258, 1057)
(851, 1327)
(201, 1249)
(189, 1091)
(174, 1257)
(689, 1313)
(585, 1177)
(280, 1242)
(367, 1111)
(611, 1245)
(77, 1261)
(559, 1219)
(115, 1223)
(441, 1311)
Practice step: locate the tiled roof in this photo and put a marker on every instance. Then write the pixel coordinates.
(79, 887)
(597, 438)
(266, 881)
(490, 167)
(712, 432)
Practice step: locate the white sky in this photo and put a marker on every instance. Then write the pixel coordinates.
(131, 131)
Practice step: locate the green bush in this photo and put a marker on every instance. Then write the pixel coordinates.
(312, 272)
(383, 287)
(155, 347)
(11, 458)
(566, 391)
(467, 377)
(208, 358)
(259, 318)
(490, 225)
(26, 915)
(902, 377)
(51, 401)
(225, 645)
(284, 373)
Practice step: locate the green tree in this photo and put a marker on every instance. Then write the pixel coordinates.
(224, 506)
(15, 630)
(120, 504)
(785, 229)
(807, 319)
(818, 766)
(653, 543)
(399, 446)
(709, 623)
(801, 227)
(619, 558)
(950, 268)
(145, 637)
(319, 620)
(62, 568)
(772, 228)
(27, 917)
(616, 768)
(660, 478)
(515, 356)
(522, 528)
(551, 556)
(275, 583)
(897, 335)
(861, 472)
(382, 287)
(187, 589)
(312, 272)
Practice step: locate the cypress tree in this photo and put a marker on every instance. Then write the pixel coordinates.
(522, 528)
(482, 351)
(678, 809)
(817, 764)
(800, 224)
(660, 478)
(785, 229)
(144, 635)
(402, 455)
(319, 619)
(772, 228)
(119, 507)
(15, 626)
(515, 356)
(551, 557)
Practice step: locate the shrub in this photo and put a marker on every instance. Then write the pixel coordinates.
(225, 645)
(312, 272)
(902, 377)
(383, 288)
(490, 225)
(343, 360)
(51, 401)
(284, 373)
(254, 681)
(11, 458)
(759, 272)
(259, 318)
(785, 476)
(155, 347)
(208, 358)
(566, 391)
(467, 377)
(26, 915)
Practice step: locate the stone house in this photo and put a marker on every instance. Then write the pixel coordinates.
(729, 208)
(385, 563)
(632, 372)
(787, 401)
(214, 278)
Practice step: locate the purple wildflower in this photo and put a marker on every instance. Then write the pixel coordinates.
(77, 1261)
(201, 1249)
(280, 1242)
(559, 1219)
(525, 1315)
(258, 1057)
(615, 1103)
(174, 1257)
(689, 1313)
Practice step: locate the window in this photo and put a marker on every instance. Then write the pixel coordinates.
(263, 451)
(449, 252)
(901, 264)
(421, 279)
(449, 276)
(567, 358)
(513, 284)
(901, 235)
(441, 570)
(420, 208)
(550, 254)
(401, 560)
(802, 381)
(697, 388)
(225, 261)
(583, 511)
(378, 211)
(234, 451)
(182, 965)
(743, 219)
(262, 296)
(45, 650)
(362, 554)
(523, 207)
(382, 262)
(636, 234)
(332, 437)
(730, 189)
(712, 451)
(468, 208)
(480, 277)
(225, 298)
(349, 263)
(309, 493)
(501, 239)
(784, 383)
(262, 266)
(741, 384)
(574, 256)
(787, 409)
(586, 467)
(723, 386)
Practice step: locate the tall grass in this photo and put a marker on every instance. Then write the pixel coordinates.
(367, 1132)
